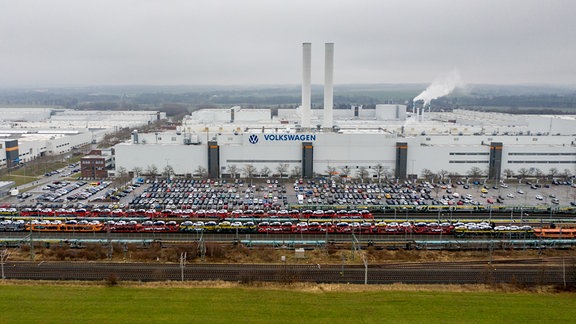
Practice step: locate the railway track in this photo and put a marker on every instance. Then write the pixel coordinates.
(217, 237)
(399, 241)
(528, 272)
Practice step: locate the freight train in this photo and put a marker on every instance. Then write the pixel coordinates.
(252, 221)
(457, 230)
(340, 212)
(185, 213)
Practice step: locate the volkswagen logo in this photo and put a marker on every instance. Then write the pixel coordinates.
(253, 139)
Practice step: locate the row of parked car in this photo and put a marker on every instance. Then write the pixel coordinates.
(383, 193)
(59, 189)
(66, 191)
(209, 194)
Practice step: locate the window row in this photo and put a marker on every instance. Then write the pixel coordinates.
(469, 153)
(543, 153)
(453, 161)
(544, 162)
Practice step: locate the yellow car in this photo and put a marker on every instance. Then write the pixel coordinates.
(484, 190)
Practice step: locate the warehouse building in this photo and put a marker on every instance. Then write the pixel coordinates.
(30, 133)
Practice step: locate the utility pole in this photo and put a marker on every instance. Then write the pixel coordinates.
(109, 241)
(365, 269)
(31, 243)
(3, 257)
(182, 264)
(357, 248)
(202, 246)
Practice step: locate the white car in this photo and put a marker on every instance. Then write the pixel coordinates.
(539, 197)
(555, 201)
(510, 195)
(520, 191)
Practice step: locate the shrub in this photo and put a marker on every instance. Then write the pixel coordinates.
(112, 280)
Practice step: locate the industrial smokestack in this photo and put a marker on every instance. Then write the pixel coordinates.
(306, 84)
(328, 85)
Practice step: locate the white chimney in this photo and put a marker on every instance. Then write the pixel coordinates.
(306, 84)
(328, 85)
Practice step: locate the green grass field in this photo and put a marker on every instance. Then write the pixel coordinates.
(100, 304)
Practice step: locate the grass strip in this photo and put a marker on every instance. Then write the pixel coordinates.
(89, 304)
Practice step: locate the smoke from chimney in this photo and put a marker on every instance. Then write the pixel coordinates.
(443, 85)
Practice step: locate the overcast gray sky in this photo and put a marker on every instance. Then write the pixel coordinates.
(234, 42)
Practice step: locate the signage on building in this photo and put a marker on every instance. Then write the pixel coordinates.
(254, 138)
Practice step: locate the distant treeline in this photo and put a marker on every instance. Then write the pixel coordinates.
(180, 100)
(525, 104)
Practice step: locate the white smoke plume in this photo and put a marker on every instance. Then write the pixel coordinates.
(442, 86)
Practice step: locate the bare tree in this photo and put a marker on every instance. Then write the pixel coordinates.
(389, 173)
(508, 173)
(282, 169)
(249, 170)
(122, 172)
(296, 172)
(202, 171)
(453, 175)
(137, 171)
(553, 172)
(233, 169)
(475, 173)
(152, 170)
(265, 171)
(523, 173)
(379, 172)
(428, 175)
(566, 174)
(538, 173)
(331, 171)
(345, 172)
(168, 171)
(121, 176)
(362, 173)
(442, 174)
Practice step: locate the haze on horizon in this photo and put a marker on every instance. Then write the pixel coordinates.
(258, 42)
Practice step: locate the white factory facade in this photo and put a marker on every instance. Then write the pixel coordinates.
(311, 142)
(402, 148)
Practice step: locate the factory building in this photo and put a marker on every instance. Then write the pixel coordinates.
(30, 133)
(224, 152)
(386, 141)
(97, 164)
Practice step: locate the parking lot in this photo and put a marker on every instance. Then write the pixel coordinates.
(212, 194)
(323, 192)
(278, 194)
